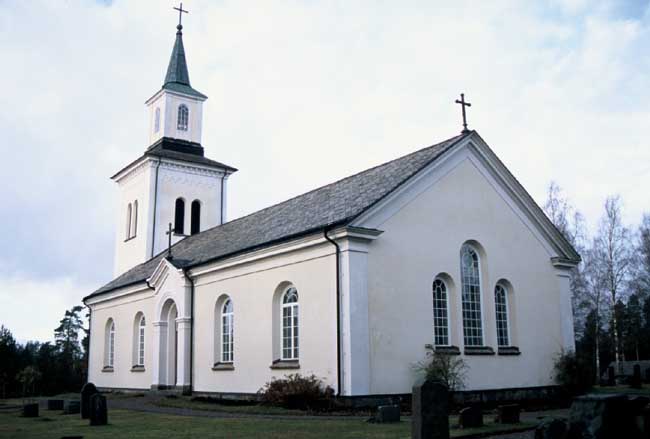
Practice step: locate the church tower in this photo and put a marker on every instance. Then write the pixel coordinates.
(172, 182)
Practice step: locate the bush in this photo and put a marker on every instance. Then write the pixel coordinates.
(297, 392)
(446, 368)
(573, 373)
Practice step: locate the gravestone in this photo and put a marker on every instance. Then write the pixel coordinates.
(552, 428)
(647, 375)
(643, 423)
(601, 417)
(98, 410)
(470, 417)
(55, 404)
(30, 410)
(430, 411)
(87, 391)
(508, 414)
(635, 381)
(387, 413)
(71, 407)
(611, 376)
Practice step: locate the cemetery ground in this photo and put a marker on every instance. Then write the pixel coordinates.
(132, 415)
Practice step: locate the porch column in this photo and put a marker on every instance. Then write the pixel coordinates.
(184, 325)
(159, 354)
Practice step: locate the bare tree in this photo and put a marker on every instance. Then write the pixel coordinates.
(612, 260)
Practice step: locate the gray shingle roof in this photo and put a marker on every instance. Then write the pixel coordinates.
(334, 204)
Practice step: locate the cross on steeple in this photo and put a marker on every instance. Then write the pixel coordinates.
(169, 234)
(463, 105)
(181, 11)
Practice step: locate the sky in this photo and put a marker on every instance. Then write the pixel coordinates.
(301, 93)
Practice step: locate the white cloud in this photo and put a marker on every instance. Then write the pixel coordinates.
(303, 93)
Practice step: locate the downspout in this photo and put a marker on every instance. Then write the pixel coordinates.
(155, 199)
(90, 320)
(223, 177)
(191, 330)
(338, 311)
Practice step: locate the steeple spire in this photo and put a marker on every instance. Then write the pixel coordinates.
(177, 69)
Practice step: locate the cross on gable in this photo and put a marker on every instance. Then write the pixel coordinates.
(169, 233)
(181, 11)
(464, 104)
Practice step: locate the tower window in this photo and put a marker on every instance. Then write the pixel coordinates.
(134, 227)
(129, 209)
(179, 216)
(156, 123)
(196, 217)
(183, 117)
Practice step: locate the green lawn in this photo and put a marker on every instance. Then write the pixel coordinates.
(150, 425)
(644, 390)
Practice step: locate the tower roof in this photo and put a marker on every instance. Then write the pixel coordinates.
(177, 77)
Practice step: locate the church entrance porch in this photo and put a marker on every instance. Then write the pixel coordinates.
(171, 360)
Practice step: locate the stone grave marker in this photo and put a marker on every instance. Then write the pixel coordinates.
(98, 410)
(601, 417)
(470, 417)
(387, 413)
(611, 376)
(71, 407)
(647, 375)
(635, 381)
(87, 391)
(430, 411)
(552, 428)
(508, 414)
(30, 410)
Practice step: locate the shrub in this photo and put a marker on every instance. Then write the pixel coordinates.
(297, 392)
(446, 368)
(573, 373)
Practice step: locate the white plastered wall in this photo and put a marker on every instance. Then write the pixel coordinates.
(168, 102)
(422, 239)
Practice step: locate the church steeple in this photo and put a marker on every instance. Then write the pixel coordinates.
(177, 69)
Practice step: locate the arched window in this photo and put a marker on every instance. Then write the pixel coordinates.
(501, 313)
(440, 314)
(109, 359)
(195, 227)
(471, 298)
(227, 332)
(179, 216)
(141, 327)
(129, 209)
(134, 228)
(290, 345)
(183, 117)
(156, 123)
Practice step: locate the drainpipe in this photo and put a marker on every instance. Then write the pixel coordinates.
(223, 177)
(155, 199)
(338, 311)
(191, 330)
(90, 320)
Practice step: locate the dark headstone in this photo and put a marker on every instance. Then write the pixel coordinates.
(71, 407)
(635, 381)
(470, 417)
(611, 376)
(30, 410)
(508, 414)
(601, 417)
(643, 423)
(55, 404)
(647, 375)
(87, 391)
(98, 410)
(552, 428)
(430, 411)
(387, 413)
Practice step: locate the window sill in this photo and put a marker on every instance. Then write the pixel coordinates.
(108, 369)
(137, 368)
(509, 350)
(285, 364)
(447, 350)
(182, 235)
(223, 366)
(478, 350)
(130, 238)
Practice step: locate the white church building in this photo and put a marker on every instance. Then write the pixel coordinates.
(352, 282)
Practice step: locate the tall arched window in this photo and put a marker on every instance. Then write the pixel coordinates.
(227, 332)
(440, 314)
(195, 226)
(179, 216)
(290, 345)
(183, 117)
(129, 209)
(141, 327)
(471, 285)
(501, 313)
(134, 228)
(109, 360)
(156, 123)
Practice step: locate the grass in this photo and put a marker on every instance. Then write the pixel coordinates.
(249, 409)
(124, 423)
(644, 390)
